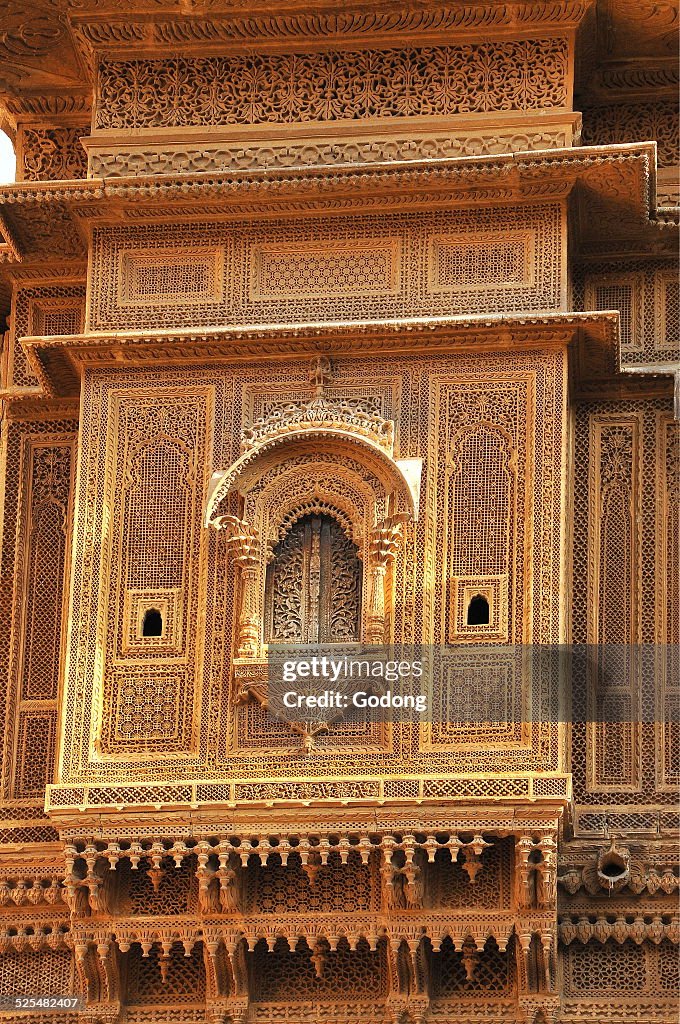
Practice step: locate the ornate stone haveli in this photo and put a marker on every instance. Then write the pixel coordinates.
(290, 399)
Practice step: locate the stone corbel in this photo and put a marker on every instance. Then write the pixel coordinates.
(398, 1003)
(97, 970)
(109, 971)
(236, 953)
(523, 870)
(546, 873)
(523, 953)
(216, 969)
(472, 853)
(244, 547)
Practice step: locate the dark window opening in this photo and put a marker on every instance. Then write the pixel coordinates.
(313, 591)
(153, 623)
(478, 611)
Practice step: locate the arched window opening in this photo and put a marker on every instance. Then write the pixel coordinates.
(313, 589)
(478, 611)
(152, 624)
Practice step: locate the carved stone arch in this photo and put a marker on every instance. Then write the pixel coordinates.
(393, 475)
(483, 493)
(145, 447)
(338, 485)
(310, 506)
(468, 430)
(352, 475)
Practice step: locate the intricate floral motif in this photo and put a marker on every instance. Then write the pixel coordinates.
(330, 86)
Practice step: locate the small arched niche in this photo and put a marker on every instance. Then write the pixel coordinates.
(478, 611)
(152, 623)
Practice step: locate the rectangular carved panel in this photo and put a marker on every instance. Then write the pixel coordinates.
(668, 600)
(623, 292)
(155, 277)
(646, 294)
(36, 737)
(484, 260)
(155, 542)
(494, 441)
(614, 583)
(288, 271)
(667, 309)
(41, 310)
(38, 620)
(372, 266)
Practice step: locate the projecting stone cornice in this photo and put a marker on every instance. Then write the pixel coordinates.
(612, 190)
(592, 340)
(59, 361)
(560, 168)
(144, 29)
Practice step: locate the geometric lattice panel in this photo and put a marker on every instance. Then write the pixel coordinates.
(49, 971)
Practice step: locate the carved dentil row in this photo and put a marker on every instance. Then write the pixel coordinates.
(126, 161)
(650, 928)
(31, 891)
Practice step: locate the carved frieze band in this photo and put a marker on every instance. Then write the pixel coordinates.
(50, 154)
(331, 86)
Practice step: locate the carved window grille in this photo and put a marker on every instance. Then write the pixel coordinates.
(483, 502)
(624, 293)
(313, 587)
(19, 972)
(156, 511)
(184, 981)
(667, 309)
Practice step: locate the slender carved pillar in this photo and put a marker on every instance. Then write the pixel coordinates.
(384, 544)
(244, 547)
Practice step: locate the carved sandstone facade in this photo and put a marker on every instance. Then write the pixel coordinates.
(339, 325)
